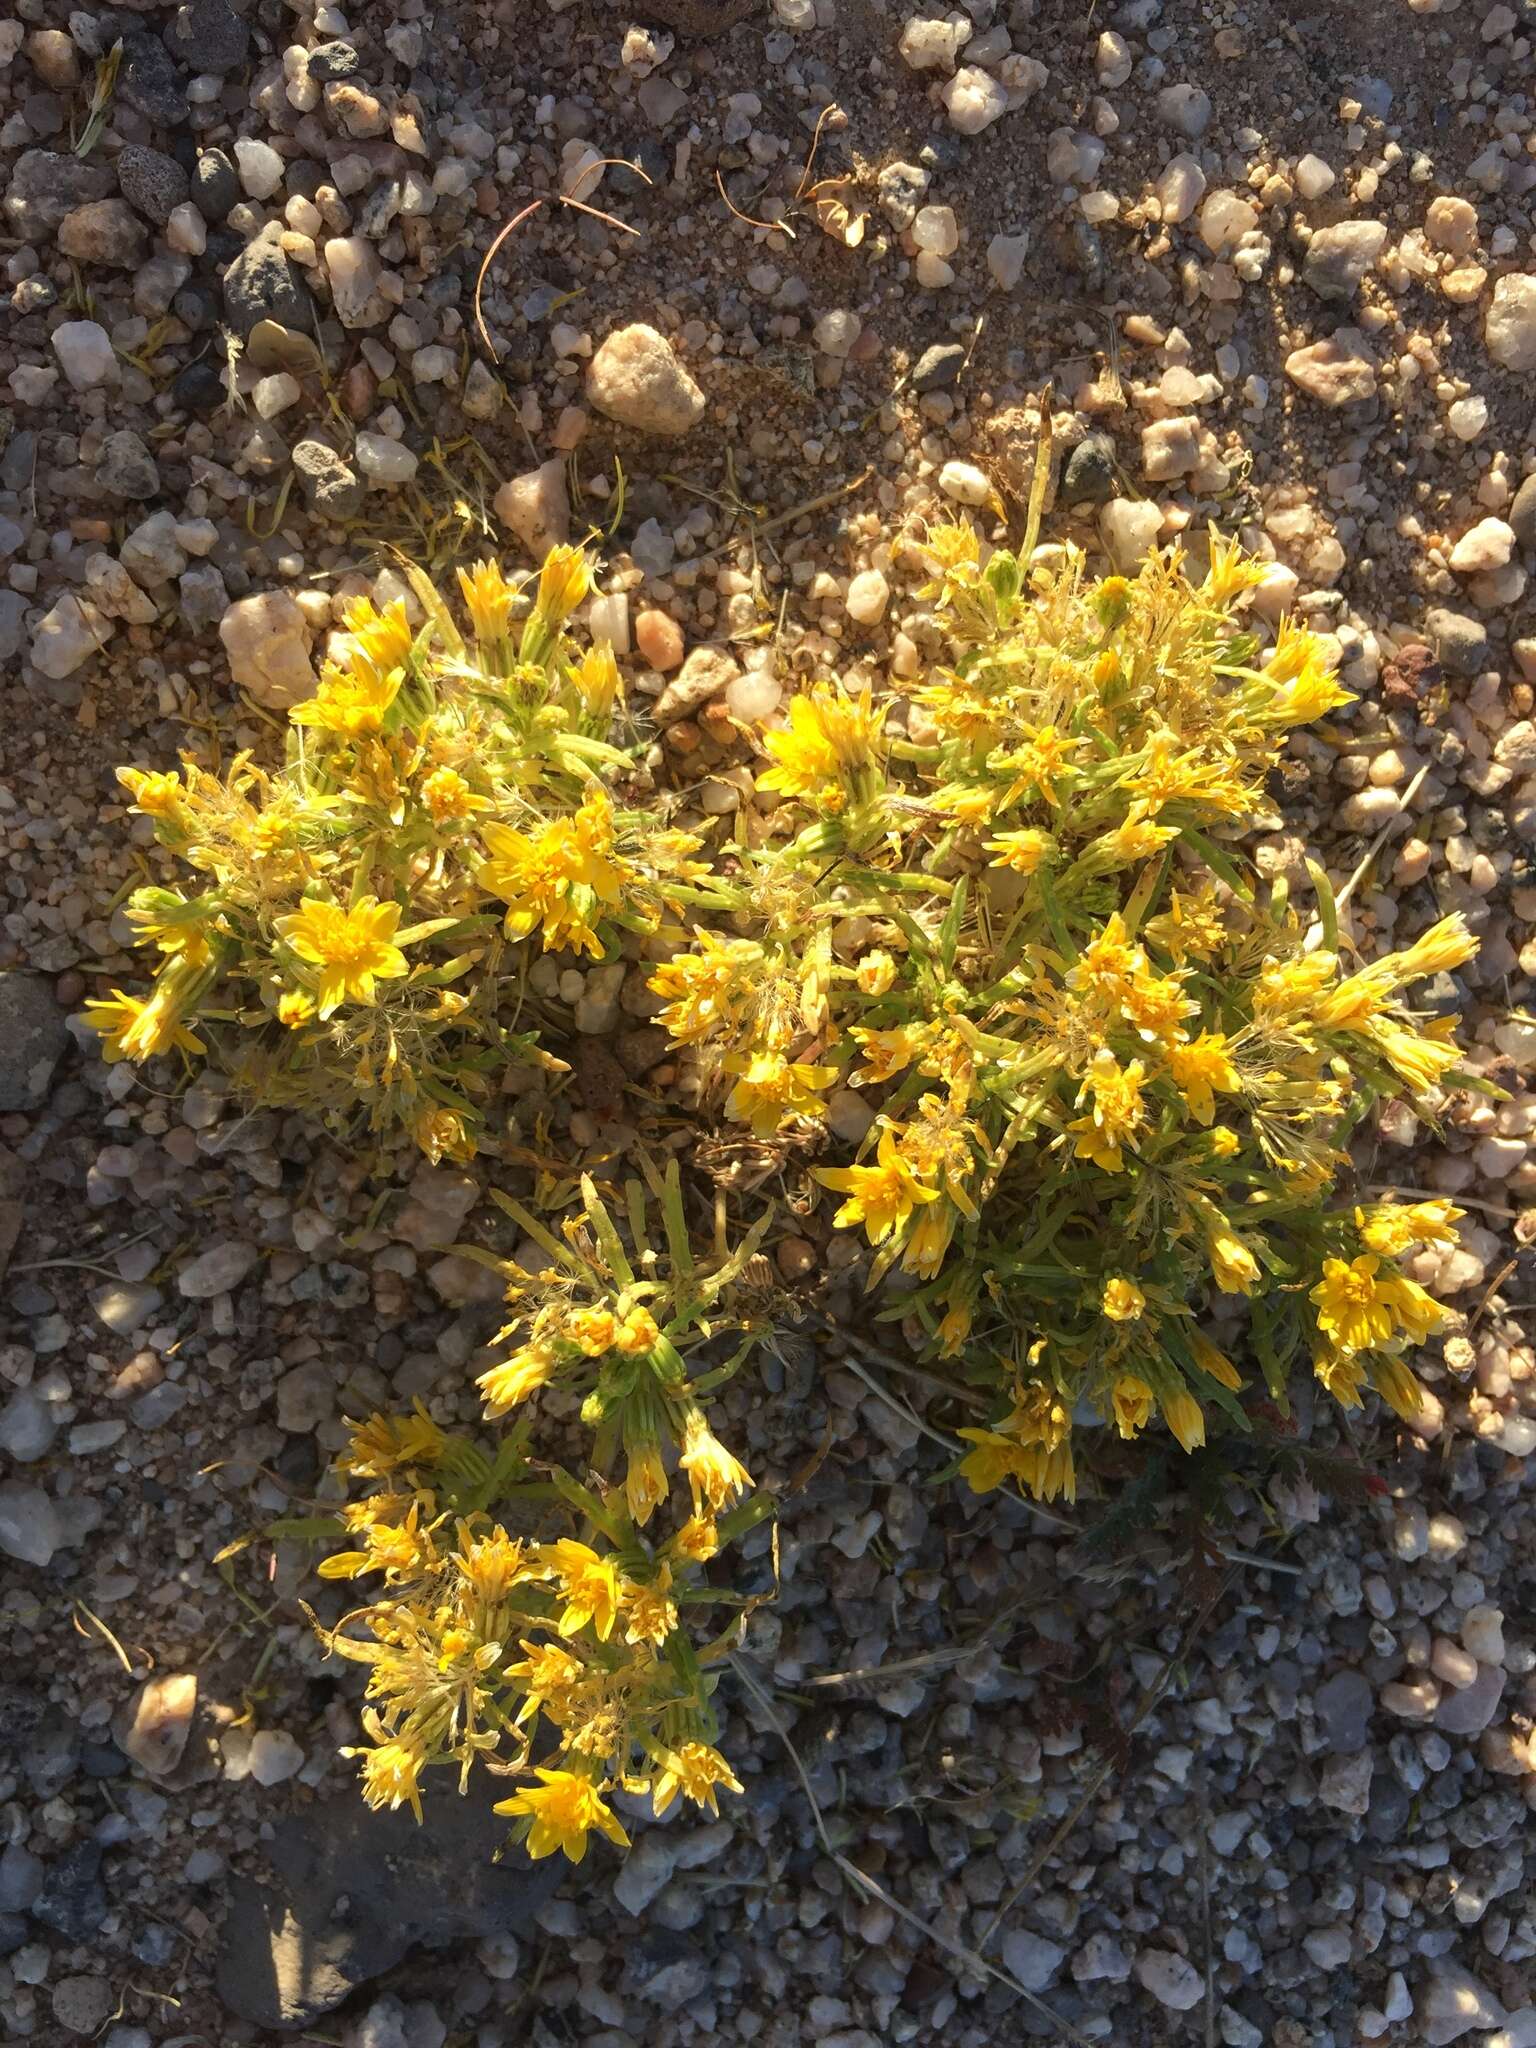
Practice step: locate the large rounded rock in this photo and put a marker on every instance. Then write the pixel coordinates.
(44, 186)
(151, 181)
(267, 640)
(636, 379)
(104, 231)
(1510, 329)
(261, 284)
(32, 1040)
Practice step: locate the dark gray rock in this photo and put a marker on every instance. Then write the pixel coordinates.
(1344, 1707)
(13, 610)
(1092, 473)
(127, 469)
(73, 1900)
(149, 82)
(352, 1891)
(33, 1036)
(151, 181)
(199, 388)
(938, 366)
(207, 36)
(261, 284)
(44, 186)
(215, 184)
(1460, 641)
(331, 61)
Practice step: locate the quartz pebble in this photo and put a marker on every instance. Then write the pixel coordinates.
(635, 378)
(868, 595)
(965, 483)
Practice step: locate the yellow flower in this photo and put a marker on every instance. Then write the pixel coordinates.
(1393, 1229)
(1417, 1312)
(1290, 988)
(134, 1028)
(1422, 1062)
(1023, 851)
(1202, 1069)
(391, 1777)
(1117, 1114)
(1183, 1415)
(1225, 1143)
(886, 1053)
(488, 598)
(546, 1674)
(1123, 1300)
(881, 1197)
(995, 1459)
(1043, 760)
(771, 1089)
(441, 1134)
(562, 1811)
(876, 972)
(695, 1770)
(1214, 1362)
(1131, 1399)
(698, 1540)
(1445, 946)
(1155, 1005)
(716, 1478)
(352, 948)
(385, 1442)
(1233, 1267)
(505, 1385)
(1398, 1387)
(701, 988)
(560, 878)
(564, 580)
(590, 1584)
(1354, 1306)
(155, 795)
(349, 701)
(645, 1482)
(637, 1335)
(1343, 1375)
(831, 740)
(650, 1614)
(595, 679)
(448, 796)
(592, 1330)
(295, 1008)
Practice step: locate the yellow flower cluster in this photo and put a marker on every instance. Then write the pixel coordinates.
(1112, 1070)
(355, 938)
(1101, 1074)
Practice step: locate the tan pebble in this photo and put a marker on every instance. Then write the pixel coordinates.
(659, 640)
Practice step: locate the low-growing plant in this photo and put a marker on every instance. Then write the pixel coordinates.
(1106, 1075)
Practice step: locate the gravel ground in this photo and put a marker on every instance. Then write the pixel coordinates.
(1279, 269)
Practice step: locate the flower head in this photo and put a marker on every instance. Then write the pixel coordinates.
(488, 598)
(1201, 1070)
(831, 738)
(695, 1770)
(1131, 1399)
(561, 1811)
(352, 949)
(349, 701)
(716, 1478)
(590, 1584)
(564, 581)
(1184, 1416)
(882, 1196)
(1123, 1301)
(770, 1090)
(1117, 1111)
(136, 1028)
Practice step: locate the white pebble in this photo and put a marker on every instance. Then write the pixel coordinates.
(274, 394)
(1467, 418)
(186, 231)
(868, 596)
(1314, 177)
(384, 459)
(965, 483)
(1180, 189)
(752, 697)
(1482, 1634)
(973, 100)
(85, 353)
(1005, 259)
(261, 168)
(935, 229)
(835, 333)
